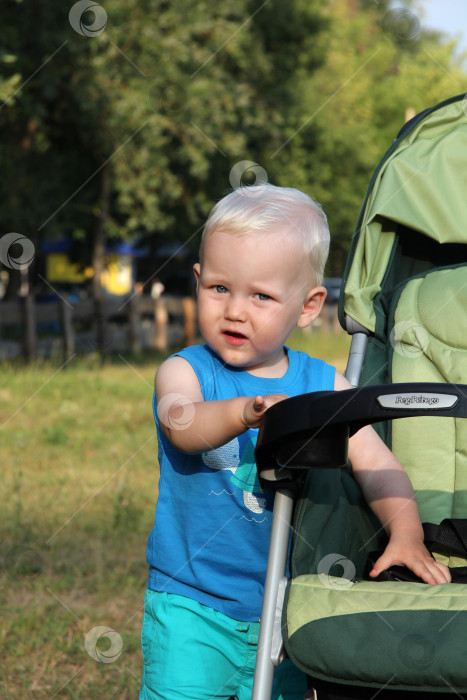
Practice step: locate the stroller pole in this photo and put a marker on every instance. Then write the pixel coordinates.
(276, 567)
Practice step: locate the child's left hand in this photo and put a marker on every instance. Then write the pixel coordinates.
(405, 550)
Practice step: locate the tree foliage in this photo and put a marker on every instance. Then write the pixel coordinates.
(130, 121)
(381, 67)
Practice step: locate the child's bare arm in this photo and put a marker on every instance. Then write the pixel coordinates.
(193, 425)
(389, 492)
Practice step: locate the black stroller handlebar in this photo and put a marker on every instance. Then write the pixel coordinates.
(312, 430)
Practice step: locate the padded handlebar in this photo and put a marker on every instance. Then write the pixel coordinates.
(312, 430)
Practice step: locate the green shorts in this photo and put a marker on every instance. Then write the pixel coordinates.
(193, 652)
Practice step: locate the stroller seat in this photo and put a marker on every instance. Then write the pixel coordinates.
(430, 345)
(398, 635)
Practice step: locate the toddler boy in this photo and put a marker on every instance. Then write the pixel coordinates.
(259, 276)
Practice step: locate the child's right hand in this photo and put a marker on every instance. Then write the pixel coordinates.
(255, 408)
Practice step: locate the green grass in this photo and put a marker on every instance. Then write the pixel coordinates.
(78, 493)
(331, 347)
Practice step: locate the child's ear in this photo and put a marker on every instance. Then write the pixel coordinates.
(197, 271)
(312, 306)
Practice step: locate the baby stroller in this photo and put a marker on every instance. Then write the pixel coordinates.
(404, 300)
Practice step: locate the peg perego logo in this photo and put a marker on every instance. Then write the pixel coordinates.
(416, 399)
(421, 400)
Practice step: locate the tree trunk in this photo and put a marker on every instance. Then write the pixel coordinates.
(98, 259)
(13, 285)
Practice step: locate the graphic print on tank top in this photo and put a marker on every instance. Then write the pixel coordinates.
(237, 456)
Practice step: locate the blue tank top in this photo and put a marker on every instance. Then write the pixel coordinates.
(212, 527)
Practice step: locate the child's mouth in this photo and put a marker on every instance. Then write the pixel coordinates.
(234, 338)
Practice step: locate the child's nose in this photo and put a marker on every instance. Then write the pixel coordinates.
(235, 309)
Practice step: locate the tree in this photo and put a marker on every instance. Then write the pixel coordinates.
(210, 92)
(136, 128)
(379, 63)
(128, 121)
(45, 121)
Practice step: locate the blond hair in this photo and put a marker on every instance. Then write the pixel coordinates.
(259, 208)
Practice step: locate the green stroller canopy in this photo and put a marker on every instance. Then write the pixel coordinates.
(420, 186)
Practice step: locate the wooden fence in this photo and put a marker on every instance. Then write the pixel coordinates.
(33, 329)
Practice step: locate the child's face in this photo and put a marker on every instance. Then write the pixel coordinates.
(252, 292)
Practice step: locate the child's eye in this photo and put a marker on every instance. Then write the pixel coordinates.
(220, 288)
(263, 297)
